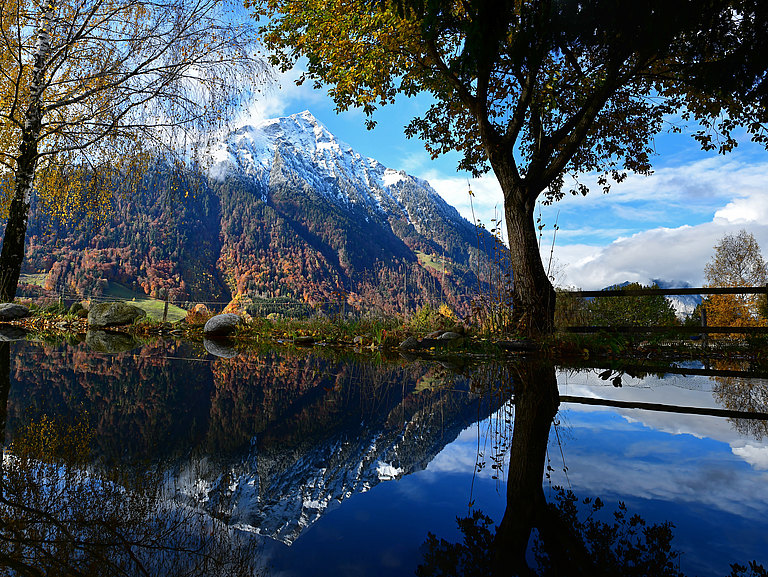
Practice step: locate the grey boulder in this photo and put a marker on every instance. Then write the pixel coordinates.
(77, 309)
(107, 342)
(220, 348)
(222, 325)
(409, 344)
(12, 311)
(113, 314)
(449, 336)
(10, 333)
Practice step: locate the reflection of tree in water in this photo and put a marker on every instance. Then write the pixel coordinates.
(295, 396)
(565, 536)
(493, 382)
(749, 395)
(588, 546)
(145, 395)
(167, 398)
(62, 515)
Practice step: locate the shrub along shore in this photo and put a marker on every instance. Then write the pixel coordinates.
(428, 332)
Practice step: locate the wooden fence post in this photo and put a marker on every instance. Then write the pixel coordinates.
(704, 337)
(165, 308)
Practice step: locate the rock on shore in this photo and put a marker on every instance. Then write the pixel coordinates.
(114, 314)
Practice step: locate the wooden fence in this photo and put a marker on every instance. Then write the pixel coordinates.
(703, 330)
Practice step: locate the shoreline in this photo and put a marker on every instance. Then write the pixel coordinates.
(560, 346)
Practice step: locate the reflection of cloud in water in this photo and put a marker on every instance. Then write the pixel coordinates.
(755, 455)
(694, 459)
(674, 470)
(461, 455)
(641, 450)
(694, 391)
(654, 455)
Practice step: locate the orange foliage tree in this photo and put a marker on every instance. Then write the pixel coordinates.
(737, 262)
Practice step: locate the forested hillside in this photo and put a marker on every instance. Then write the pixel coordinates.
(165, 238)
(299, 232)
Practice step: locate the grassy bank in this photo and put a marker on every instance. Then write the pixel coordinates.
(376, 334)
(153, 307)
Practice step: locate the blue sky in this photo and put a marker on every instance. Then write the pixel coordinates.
(663, 226)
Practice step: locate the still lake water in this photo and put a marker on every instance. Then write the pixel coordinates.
(343, 464)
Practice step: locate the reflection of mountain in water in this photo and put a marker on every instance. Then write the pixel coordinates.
(353, 425)
(274, 439)
(287, 482)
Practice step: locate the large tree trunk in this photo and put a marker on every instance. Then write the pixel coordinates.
(533, 297)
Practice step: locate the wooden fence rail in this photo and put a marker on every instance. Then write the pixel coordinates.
(702, 330)
(678, 291)
(692, 330)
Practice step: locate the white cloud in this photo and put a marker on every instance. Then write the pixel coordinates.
(281, 98)
(676, 217)
(487, 202)
(753, 208)
(672, 254)
(697, 183)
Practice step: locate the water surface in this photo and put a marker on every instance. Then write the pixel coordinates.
(344, 464)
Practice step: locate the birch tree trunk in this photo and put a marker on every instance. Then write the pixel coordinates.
(12, 254)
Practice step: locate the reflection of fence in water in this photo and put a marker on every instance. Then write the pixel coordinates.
(742, 394)
(674, 375)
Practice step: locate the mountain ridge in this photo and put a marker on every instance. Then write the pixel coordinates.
(280, 151)
(285, 211)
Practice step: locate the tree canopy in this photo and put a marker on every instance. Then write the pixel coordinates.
(539, 91)
(737, 262)
(90, 89)
(649, 310)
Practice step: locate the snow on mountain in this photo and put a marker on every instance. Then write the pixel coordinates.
(279, 494)
(278, 491)
(299, 147)
(684, 305)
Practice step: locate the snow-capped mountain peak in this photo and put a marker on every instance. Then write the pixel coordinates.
(252, 148)
(299, 150)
